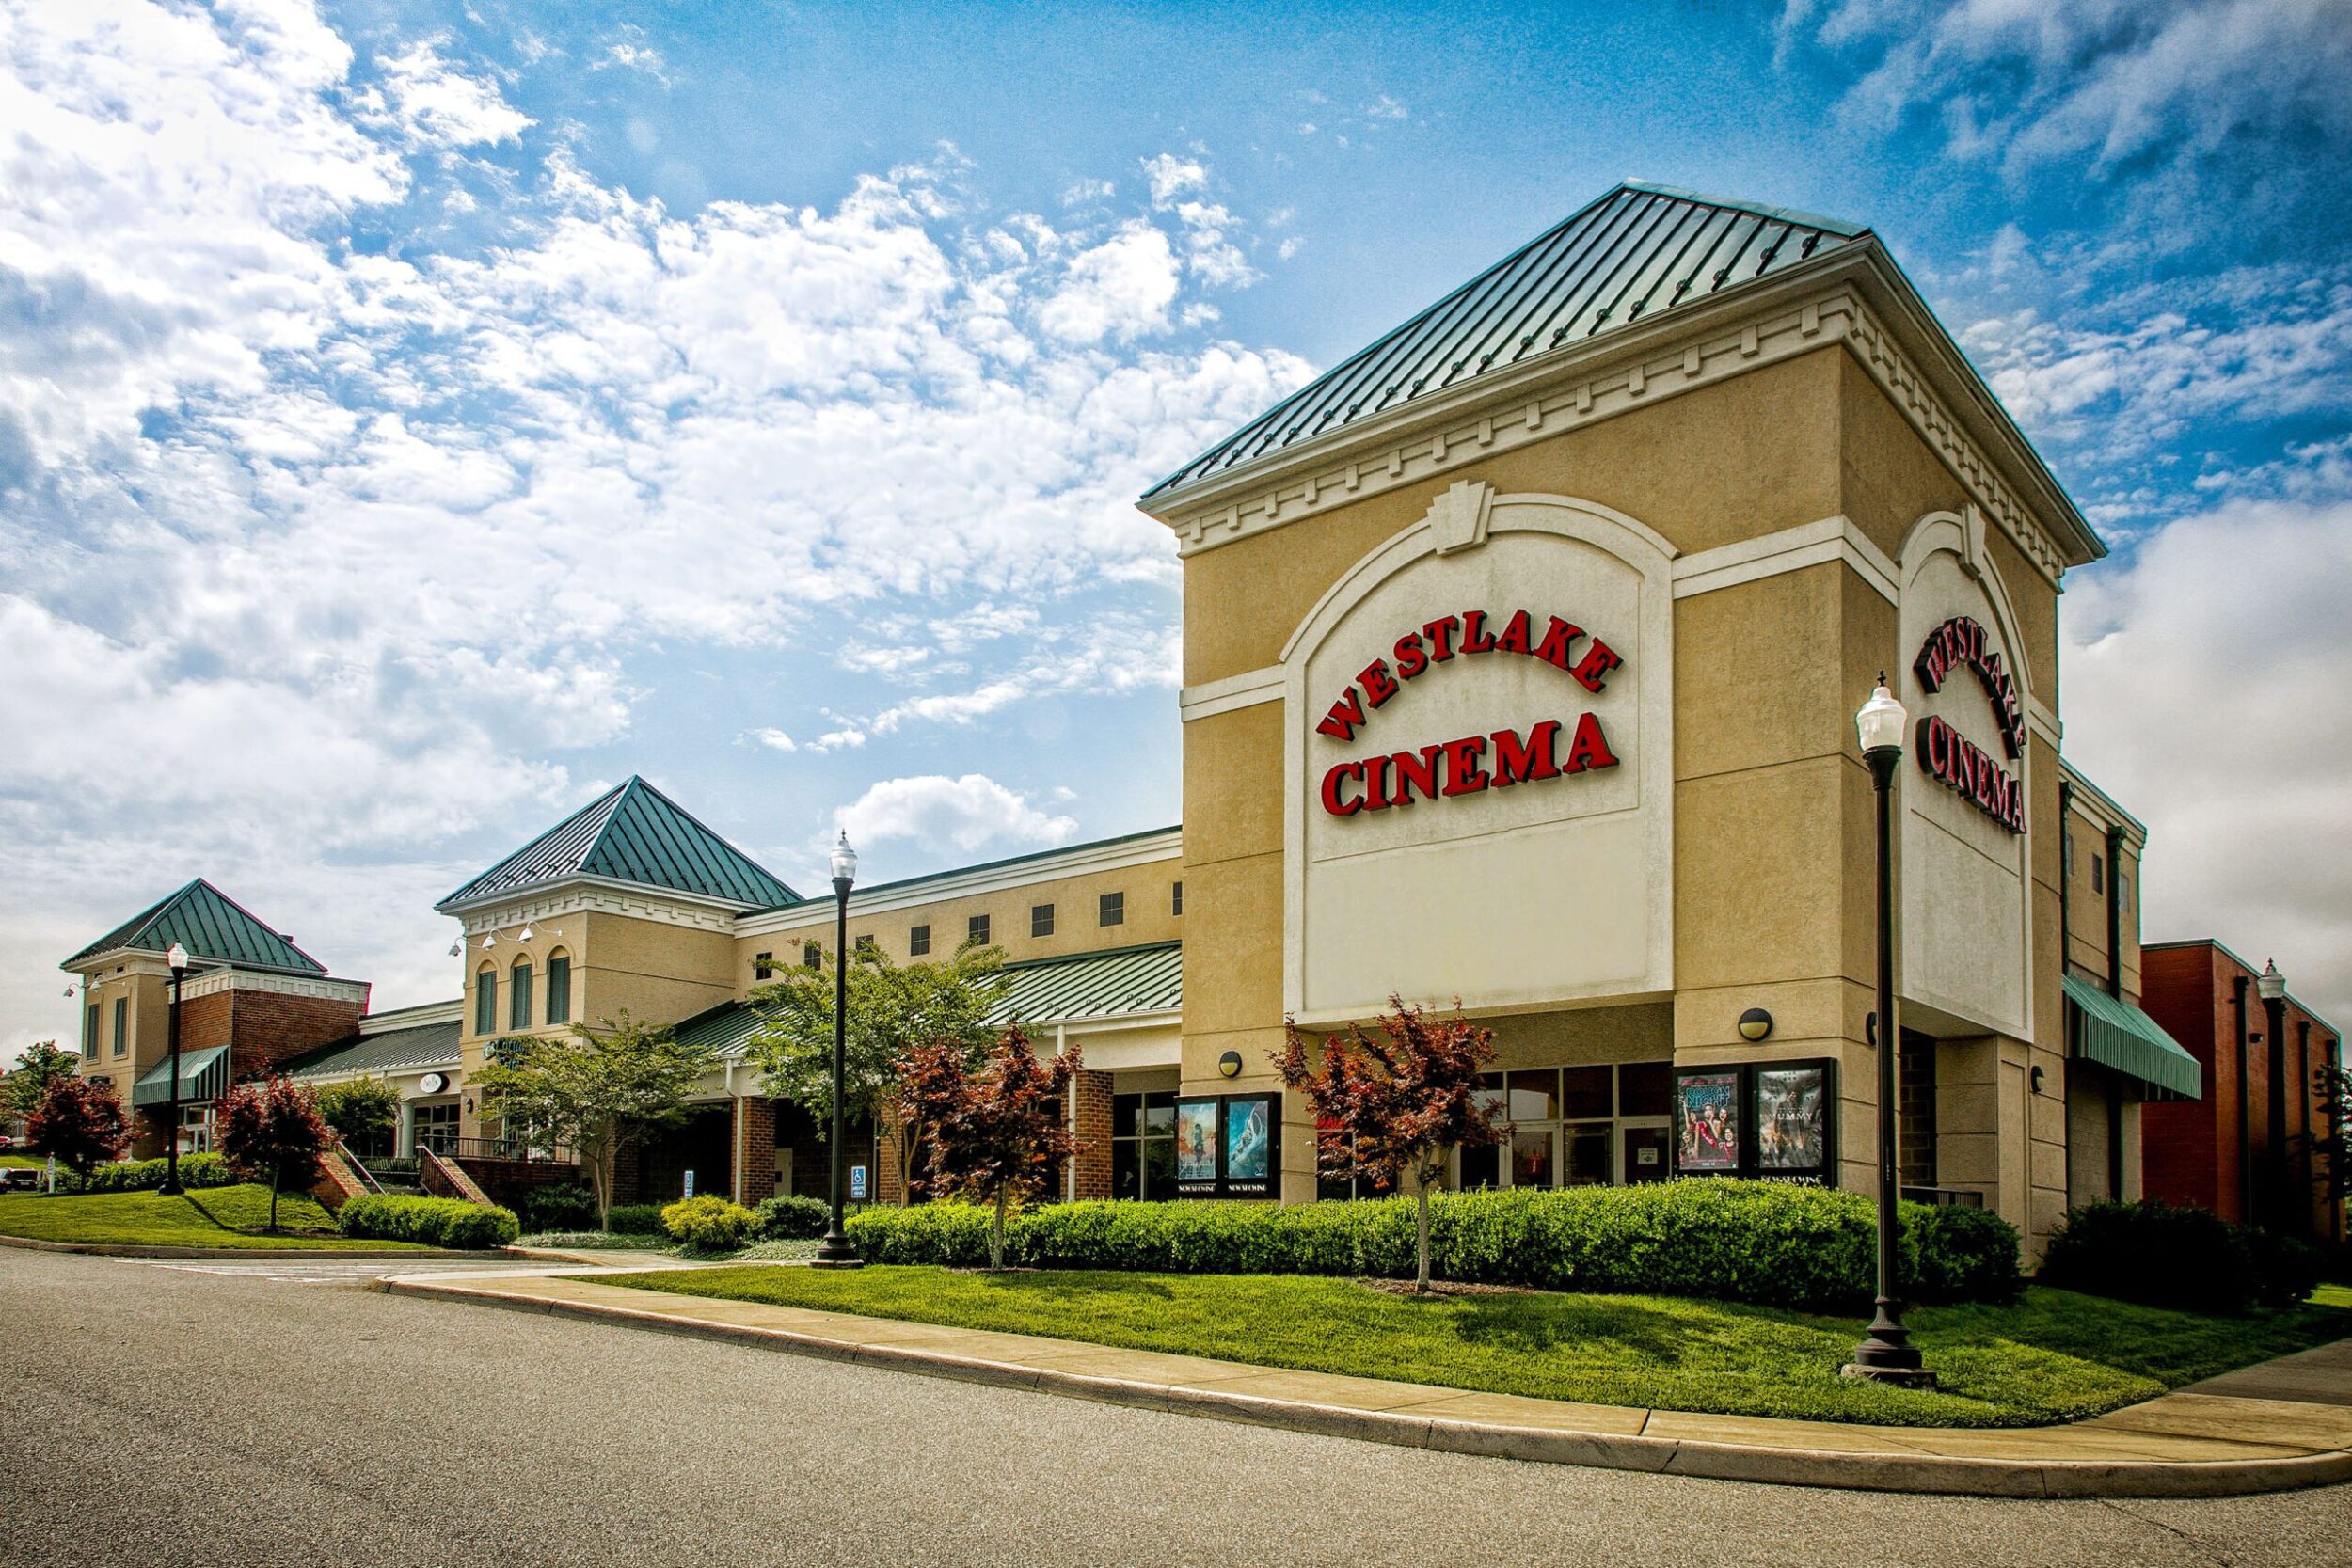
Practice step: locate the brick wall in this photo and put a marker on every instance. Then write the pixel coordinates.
(205, 1021)
(1091, 1123)
(1914, 1110)
(266, 1028)
(755, 1149)
(2189, 1150)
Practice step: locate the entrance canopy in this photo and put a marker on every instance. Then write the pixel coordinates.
(2113, 1033)
(203, 1075)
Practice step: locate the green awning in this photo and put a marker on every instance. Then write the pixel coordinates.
(203, 1075)
(2113, 1033)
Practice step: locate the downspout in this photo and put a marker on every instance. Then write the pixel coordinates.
(2115, 913)
(2245, 1114)
(2303, 1156)
(2066, 951)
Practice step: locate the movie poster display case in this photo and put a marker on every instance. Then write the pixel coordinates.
(1229, 1146)
(1776, 1121)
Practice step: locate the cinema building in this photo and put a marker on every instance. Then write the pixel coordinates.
(1521, 657)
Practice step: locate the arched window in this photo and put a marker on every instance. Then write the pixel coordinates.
(486, 1000)
(559, 987)
(518, 996)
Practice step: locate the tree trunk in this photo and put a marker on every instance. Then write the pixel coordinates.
(274, 1171)
(996, 1232)
(1421, 1235)
(600, 1166)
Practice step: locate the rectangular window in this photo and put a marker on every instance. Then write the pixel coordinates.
(976, 930)
(1143, 1145)
(2124, 891)
(812, 955)
(763, 966)
(866, 948)
(123, 1024)
(1176, 900)
(433, 1127)
(2066, 848)
(2098, 875)
(1113, 911)
(1040, 920)
(518, 998)
(89, 1034)
(486, 1002)
(559, 990)
(918, 940)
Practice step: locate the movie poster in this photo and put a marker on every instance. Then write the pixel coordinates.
(1196, 1142)
(1792, 1119)
(1249, 1139)
(1707, 1121)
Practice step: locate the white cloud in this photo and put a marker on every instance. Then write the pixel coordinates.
(774, 739)
(2204, 689)
(1119, 288)
(1384, 107)
(949, 816)
(1170, 177)
(630, 52)
(1082, 192)
(439, 106)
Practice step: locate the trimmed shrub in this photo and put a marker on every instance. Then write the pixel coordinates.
(709, 1223)
(132, 1176)
(1766, 1242)
(2169, 1255)
(563, 1207)
(634, 1219)
(445, 1222)
(797, 1218)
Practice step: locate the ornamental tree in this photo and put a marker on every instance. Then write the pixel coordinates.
(78, 1123)
(27, 1084)
(2330, 1140)
(598, 1089)
(893, 1009)
(360, 1110)
(994, 1132)
(1398, 1102)
(270, 1128)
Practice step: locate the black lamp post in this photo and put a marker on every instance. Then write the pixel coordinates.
(1887, 1354)
(178, 960)
(2272, 1207)
(835, 1252)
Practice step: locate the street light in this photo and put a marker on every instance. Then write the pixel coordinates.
(835, 1252)
(178, 960)
(1887, 1354)
(2271, 987)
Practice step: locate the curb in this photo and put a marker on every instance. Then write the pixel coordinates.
(1866, 1472)
(253, 1254)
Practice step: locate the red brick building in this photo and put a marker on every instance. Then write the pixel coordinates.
(2243, 1150)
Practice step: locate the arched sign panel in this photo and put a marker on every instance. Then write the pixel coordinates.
(1967, 909)
(1479, 765)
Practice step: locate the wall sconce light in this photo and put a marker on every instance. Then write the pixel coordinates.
(1754, 1024)
(69, 990)
(490, 941)
(526, 935)
(2037, 1080)
(457, 948)
(1229, 1065)
(470, 1104)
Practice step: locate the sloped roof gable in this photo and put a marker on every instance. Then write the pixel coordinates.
(214, 928)
(634, 833)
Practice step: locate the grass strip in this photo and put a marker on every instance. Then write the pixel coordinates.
(2053, 1356)
(215, 1217)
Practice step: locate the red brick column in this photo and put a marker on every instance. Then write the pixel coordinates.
(1092, 1122)
(888, 1182)
(754, 1148)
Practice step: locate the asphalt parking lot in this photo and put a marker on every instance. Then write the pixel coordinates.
(283, 1413)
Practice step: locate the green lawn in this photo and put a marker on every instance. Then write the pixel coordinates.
(2054, 1357)
(210, 1217)
(21, 1162)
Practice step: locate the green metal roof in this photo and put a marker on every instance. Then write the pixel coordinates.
(634, 833)
(2113, 1033)
(1119, 983)
(392, 1050)
(873, 889)
(1641, 249)
(203, 1075)
(1122, 982)
(214, 928)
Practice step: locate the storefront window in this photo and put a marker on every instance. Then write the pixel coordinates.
(1531, 1157)
(435, 1127)
(1534, 1096)
(1578, 1126)
(1143, 1145)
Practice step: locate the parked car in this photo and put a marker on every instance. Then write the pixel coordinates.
(20, 1177)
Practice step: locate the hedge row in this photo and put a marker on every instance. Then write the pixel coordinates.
(1759, 1241)
(130, 1176)
(446, 1222)
(2168, 1255)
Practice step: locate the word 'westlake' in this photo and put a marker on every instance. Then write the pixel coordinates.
(1455, 768)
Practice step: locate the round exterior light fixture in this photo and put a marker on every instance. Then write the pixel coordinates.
(1880, 725)
(433, 1082)
(178, 958)
(1754, 1024)
(2270, 983)
(844, 860)
(1229, 1065)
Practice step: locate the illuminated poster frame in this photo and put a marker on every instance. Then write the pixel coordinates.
(1229, 1146)
(1770, 1122)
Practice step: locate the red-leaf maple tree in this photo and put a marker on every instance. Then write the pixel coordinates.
(78, 1123)
(272, 1126)
(1397, 1102)
(993, 1132)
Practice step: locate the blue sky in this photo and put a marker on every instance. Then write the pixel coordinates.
(414, 418)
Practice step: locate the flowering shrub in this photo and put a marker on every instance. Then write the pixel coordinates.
(709, 1223)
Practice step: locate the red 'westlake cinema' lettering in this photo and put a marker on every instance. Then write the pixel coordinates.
(1952, 759)
(1467, 633)
(1465, 767)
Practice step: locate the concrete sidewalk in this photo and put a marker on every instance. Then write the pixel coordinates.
(2275, 1427)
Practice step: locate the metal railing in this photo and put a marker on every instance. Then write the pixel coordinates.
(520, 1148)
(1946, 1197)
(367, 1177)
